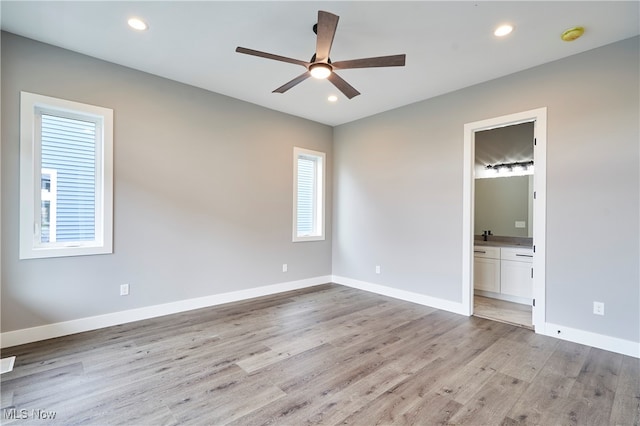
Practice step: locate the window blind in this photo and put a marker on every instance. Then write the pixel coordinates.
(306, 195)
(68, 146)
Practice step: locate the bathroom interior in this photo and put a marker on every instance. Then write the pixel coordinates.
(503, 224)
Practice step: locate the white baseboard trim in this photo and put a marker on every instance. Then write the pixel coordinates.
(601, 341)
(49, 331)
(409, 296)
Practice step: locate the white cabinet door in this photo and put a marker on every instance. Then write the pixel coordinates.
(516, 279)
(486, 274)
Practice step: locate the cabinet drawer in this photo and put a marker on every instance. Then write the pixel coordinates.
(517, 254)
(488, 252)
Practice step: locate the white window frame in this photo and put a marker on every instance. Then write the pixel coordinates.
(318, 233)
(32, 106)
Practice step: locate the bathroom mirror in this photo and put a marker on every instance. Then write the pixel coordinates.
(504, 181)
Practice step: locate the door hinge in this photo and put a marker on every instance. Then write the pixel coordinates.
(534, 194)
(534, 248)
(531, 272)
(535, 141)
(534, 302)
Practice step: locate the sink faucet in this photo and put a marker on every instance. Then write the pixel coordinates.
(485, 234)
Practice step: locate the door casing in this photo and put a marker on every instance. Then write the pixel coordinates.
(539, 117)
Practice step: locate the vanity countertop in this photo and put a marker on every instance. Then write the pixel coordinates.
(518, 243)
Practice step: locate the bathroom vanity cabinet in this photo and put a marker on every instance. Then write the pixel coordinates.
(504, 272)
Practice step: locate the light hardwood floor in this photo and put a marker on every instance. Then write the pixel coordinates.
(503, 311)
(324, 355)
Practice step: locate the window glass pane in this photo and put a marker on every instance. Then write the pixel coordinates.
(306, 195)
(68, 147)
(46, 221)
(45, 182)
(48, 180)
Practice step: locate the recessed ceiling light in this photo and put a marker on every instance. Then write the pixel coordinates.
(332, 98)
(137, 24)
(503, 30)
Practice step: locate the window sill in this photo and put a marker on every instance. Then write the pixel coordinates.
(308, 238)
(64, 251)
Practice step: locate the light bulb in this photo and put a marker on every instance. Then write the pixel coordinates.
(503, 30)
(320, 71)
(137, 24)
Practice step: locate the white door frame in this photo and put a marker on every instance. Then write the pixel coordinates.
(539, 117)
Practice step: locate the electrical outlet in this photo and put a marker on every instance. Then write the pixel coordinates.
(598, 308)
(285, 268)
(124, 289)
(377, 269)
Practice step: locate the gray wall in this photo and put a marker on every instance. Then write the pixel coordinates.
(203, 192)
(398, 188)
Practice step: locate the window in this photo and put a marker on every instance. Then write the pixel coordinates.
(308, 195)
(66, 178)
(49, 202)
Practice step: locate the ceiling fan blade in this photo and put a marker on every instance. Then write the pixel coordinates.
(326, 30)
(343, 86)
(302, 77)
(271, 56)
(379, 61)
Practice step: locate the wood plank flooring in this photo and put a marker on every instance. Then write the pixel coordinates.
(503, 311)
(324, 355)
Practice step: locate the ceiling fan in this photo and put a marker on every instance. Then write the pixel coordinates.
(320, 66)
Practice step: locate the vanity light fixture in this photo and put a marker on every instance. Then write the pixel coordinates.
(503, 30)
(524, 165)
(137, 24)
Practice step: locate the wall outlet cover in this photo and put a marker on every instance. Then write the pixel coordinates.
(598, 308)
(7, 364)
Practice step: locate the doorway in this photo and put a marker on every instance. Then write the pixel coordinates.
(537, 221)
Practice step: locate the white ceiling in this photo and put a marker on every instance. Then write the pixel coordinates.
(449, 45)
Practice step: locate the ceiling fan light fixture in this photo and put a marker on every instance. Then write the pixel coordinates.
(320, 66)
(320, 71)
